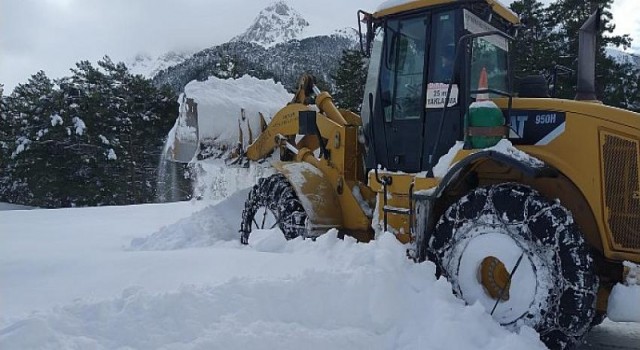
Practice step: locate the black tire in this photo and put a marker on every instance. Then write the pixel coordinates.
(561, 303)
(273, 195)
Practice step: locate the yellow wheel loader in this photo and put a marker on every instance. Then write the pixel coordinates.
(528, 204)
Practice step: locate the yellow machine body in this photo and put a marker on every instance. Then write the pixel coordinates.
(595, 159)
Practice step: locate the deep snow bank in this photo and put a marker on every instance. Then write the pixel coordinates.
(363, 296)
(215, 223)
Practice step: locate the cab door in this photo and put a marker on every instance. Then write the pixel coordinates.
(402, 90)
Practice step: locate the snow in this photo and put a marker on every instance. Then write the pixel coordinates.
(148, 65)
(23, 145)
(445, 162)
(623, 57)
(79, 125)
(506, 147)
(215, 180)
(56, 120)
(111, 155)
(103, 139)
(522, 291)
(277, 23)
(9, 206)
(624, 301)
(388, 4)
(71, 278)
(220, 101)
(483, 104)
(392, 3)
(364, 205)
(296, 175)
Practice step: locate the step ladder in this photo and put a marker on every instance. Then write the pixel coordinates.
(387, 209)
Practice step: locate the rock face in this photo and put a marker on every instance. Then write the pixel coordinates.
(278, 23)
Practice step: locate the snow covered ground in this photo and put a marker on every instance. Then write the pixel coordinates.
(174, 276)
(9, 206)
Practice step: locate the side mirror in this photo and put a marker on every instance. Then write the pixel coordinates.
(367, 19)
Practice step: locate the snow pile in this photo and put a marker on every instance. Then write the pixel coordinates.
(624, 301)
(220, 102)
(506, 147)
(344, 295)
(214, 180)
(215, 223)
(445, 162)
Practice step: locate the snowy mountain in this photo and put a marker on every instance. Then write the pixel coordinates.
(284, 63)
(273, 47)
(149, 66)
(278, 23)
(624, 57)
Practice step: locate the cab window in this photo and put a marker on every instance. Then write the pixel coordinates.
(403, 68)
(444, 47)
(488, 52)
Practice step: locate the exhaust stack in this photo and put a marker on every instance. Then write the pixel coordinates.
(586, 90)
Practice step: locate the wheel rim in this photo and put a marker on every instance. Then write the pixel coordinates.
(506, 250)
(264, 219)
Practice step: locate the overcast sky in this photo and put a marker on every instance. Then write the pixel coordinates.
(54, 34)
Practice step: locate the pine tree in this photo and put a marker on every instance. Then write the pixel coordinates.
(5, 140)
(31, 113)
(94, 139)
(550, 38)
(533, 52)
(350, 78)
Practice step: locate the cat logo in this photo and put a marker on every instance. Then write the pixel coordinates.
(516, 125)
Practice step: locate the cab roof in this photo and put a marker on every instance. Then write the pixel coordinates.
(391, 7)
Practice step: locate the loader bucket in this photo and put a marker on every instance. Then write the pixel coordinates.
(184, 142)
(238, 154)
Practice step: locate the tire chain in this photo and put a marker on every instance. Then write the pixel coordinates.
(276, 194)
(580, 286)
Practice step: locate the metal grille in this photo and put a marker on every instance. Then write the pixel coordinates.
(622, 189)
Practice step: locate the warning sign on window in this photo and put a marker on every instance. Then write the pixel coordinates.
(437, 95)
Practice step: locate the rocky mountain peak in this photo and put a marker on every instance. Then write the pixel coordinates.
(277, 23)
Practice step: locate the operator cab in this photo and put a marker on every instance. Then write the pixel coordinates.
(418, 63)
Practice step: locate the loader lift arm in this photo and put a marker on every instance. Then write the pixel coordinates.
(286, 123)
(335, 132)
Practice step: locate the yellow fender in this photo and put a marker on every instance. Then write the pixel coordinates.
(316, 194)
